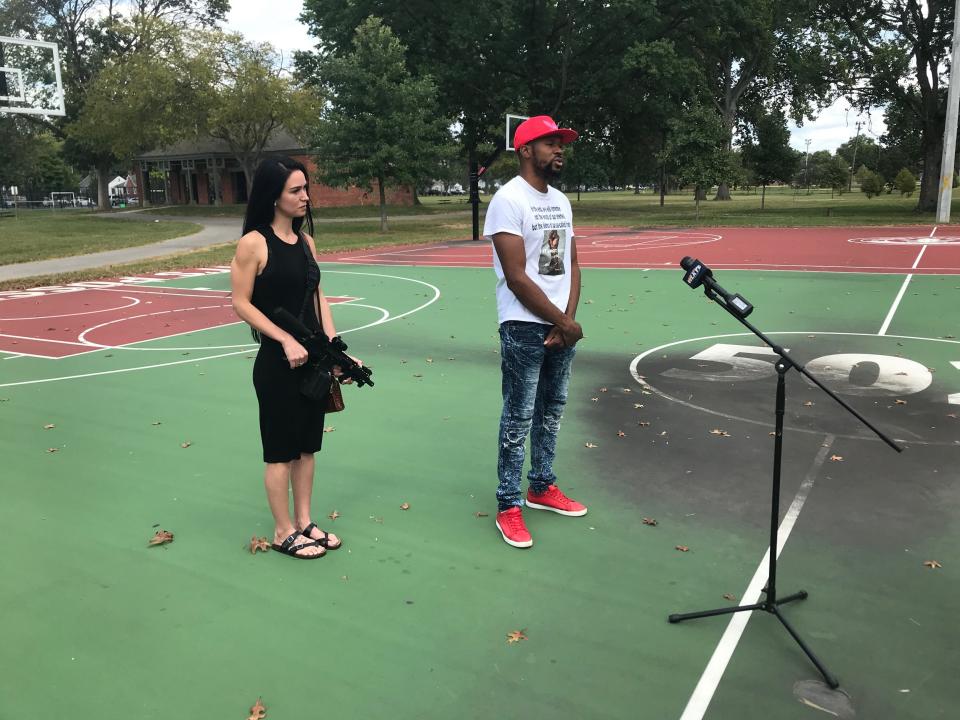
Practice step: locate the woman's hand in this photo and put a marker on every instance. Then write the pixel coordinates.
(295, 352)
(338, 371)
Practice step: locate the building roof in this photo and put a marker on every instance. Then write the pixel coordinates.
(204, 147)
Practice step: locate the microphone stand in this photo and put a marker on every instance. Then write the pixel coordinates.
(771, 602)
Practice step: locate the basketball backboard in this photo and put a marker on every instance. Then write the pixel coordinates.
(30, 81)
(512, 122)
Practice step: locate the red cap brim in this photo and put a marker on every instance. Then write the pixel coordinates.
(566, 135)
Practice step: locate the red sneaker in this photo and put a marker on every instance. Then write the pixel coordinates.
(555, 501)
(510, 524)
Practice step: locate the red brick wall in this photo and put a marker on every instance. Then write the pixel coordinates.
(323, 196)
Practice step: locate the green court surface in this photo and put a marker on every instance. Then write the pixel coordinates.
(410, 619)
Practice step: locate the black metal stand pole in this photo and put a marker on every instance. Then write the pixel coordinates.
(771, 603)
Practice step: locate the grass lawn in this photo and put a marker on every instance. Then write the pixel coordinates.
(44, 234)
(430, 206)
(783, 208)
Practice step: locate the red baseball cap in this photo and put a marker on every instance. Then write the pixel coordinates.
(540, 126)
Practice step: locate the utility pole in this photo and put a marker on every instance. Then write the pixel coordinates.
(950, 131)
(806, 167)
(853, 165)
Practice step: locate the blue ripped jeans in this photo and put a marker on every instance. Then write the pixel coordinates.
(535, 384)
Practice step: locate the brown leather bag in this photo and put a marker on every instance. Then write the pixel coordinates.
(335, 400)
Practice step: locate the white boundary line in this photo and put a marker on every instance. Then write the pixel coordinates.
(903, 289)
(707, 685)
(436, 296)
(133, 301)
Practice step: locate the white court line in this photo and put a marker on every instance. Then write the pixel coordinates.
(903, 289)
(46, 340)
(707, 686)
(224, 293)
(133, 301)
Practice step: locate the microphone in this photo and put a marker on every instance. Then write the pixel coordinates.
(699, 274)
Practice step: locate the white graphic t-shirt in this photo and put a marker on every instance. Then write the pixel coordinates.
(545, 222)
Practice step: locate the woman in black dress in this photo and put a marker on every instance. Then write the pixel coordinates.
(275, 266)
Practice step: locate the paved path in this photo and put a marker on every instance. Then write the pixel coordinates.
(215, 230)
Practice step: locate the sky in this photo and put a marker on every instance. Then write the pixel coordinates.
(276, 22)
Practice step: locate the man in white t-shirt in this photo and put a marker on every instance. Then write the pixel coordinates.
(538, 288)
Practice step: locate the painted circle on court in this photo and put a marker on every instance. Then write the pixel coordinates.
(907, 387)
(907, 240)
(647, 239)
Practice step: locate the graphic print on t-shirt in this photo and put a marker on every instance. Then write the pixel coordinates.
(551, 252)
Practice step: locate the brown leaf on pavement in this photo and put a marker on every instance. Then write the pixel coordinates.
(682, 548)
(650, 521)
(637, 406)
(603, 389)
(808, 403)
(329, 429)
(161, 538)
(186, 444)
(334, 515)
(590, 445)
(405, 506)
(49, 426)
(516, 636)
(621, 433)
(52, 450)
(836, 458)
(261, 544)
(932, 564)
(728, 596)
(721, 433)
(899, 402)
(643, 423)
(482, 514)
(258, 711)
(596, 399)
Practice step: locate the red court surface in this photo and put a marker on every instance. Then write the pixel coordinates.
(832, 249)
(62, 321)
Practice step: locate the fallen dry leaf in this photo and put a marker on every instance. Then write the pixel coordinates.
(932, 564)
(429, 360)
(51, 450)
(603, 389)
(261, 544)
(836, 458)
(155, 423)
(516, 636)
(899, 402)
(721, 433)
(590, 445)
(334, 515)
(621, 433)
(596, 399)
(682, 548)
(329, 429)
(650, 521)
(808, 403)
(405, 506)
(258, 711)
(186, 444)
(643, 423)
(637, 406)
(49, 426)
(161, 538)
(952, 415)
(728, 596)
(482, 514)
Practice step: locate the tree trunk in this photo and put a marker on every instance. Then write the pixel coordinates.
(103, 184)
(663, 184)
(697, 193)
(416, 198)
(383, 206)
(763, 196)
(930, 183)
(701, 193)
(723, 192)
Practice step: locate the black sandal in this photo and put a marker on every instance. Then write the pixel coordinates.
(288, 548)
(323, 542)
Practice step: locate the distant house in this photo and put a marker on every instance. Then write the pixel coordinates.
(206, 172)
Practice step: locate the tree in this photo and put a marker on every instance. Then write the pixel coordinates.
(153, 98)
(695, 150)
(899, 50)
(835, 175)
(251, 96)
(381, 124)
(871, 183)
(905, 182)
(771, 158)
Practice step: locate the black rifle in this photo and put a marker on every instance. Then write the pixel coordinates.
(323, 350)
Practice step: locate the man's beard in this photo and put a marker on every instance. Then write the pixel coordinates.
(547, 171)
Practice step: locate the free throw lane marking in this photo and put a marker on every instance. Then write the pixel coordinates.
(903, 289)
(707, 686)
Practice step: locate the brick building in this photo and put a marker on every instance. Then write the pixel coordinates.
(206, 172)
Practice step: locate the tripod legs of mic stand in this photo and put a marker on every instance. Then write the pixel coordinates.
(771, 603)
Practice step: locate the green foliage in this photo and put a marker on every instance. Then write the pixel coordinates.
(871, 183)
(835, 175)
(771, 158)
(905, 182)
(381, 123)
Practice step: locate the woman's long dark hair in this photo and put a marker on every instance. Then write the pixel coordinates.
(268, 182)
